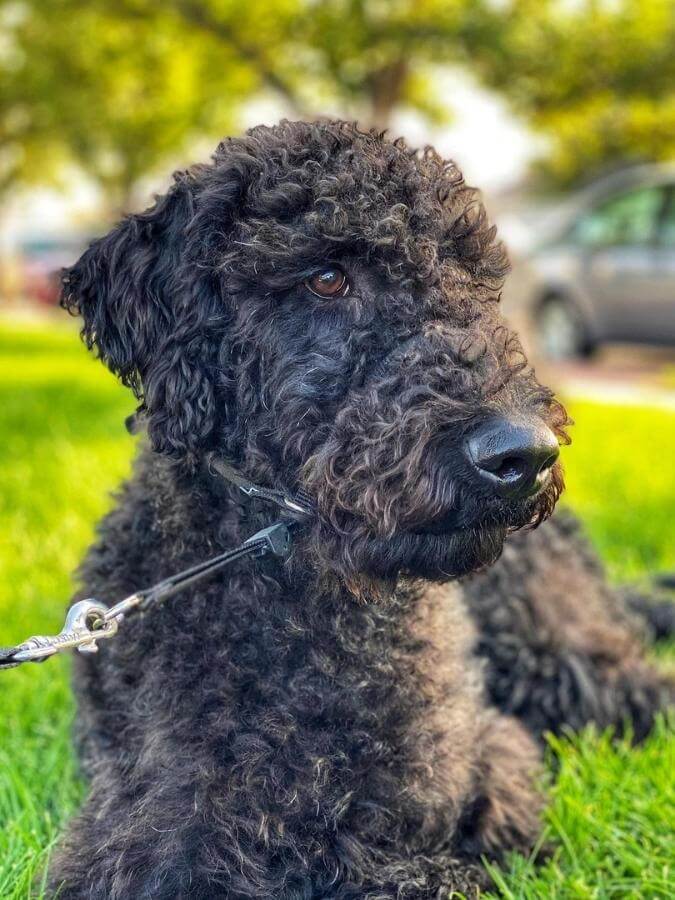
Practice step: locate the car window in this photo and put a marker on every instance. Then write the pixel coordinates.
(628, 219)
(667, 228)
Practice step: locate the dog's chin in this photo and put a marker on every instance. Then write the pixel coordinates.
(465, 538)
(436, 556)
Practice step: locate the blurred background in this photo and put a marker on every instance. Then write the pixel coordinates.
(562, 111)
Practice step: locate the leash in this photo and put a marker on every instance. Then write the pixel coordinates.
(89, 621)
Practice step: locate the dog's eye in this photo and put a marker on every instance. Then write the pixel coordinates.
(330, 282)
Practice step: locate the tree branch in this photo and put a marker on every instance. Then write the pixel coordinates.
(197, 15)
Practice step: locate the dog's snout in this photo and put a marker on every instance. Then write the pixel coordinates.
(513, 458)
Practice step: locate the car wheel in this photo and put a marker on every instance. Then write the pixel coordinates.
(561, 332)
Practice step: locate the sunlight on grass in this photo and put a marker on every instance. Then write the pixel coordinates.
(621, 480)
(65, 447)
(609, 824)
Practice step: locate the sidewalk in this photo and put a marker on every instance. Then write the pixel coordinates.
(625, 375)
(620, 394)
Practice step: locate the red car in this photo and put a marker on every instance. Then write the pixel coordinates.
(40, 260)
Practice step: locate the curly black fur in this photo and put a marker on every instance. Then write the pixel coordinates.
(562, 647)
(654, 610)
(320, 728)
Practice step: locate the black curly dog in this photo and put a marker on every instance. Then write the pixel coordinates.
(318, 305)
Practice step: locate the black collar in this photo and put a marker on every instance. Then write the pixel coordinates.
(300, 503)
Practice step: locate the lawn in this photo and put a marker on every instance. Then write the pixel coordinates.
(65, 447)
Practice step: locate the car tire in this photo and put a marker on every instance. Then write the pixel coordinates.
(561, 332)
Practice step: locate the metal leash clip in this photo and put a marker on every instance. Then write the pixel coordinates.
(89, 621)
(85, 624)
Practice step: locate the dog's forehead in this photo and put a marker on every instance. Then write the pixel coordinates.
(365, 182)
(330, 159)
(312, 190)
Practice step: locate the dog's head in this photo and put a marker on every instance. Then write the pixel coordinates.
(320, 306)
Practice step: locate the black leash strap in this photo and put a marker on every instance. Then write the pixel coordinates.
(89, 621)
(7, 658)
(275, 540)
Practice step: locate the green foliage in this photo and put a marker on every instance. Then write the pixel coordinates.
(121, 96)
(65, 447)
(597, 78)
(373, 56)
(122, 90)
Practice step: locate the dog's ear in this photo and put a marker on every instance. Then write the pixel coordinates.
(149, 322)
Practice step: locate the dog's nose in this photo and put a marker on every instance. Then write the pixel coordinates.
(514, 458)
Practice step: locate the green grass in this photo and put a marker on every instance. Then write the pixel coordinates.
(610, 823)
(64, 447)
(621, 480)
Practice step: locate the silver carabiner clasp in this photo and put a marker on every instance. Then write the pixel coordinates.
(85, 625)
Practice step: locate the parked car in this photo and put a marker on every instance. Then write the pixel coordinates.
(606, 269)
(40, 260)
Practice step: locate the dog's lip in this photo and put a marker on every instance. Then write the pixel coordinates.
(445, 523)
(459, 519)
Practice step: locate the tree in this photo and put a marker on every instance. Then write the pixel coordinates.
(121, 88)
(125, 89)
(597, 78)
(360, 57)
(374, 56)
(115, 96)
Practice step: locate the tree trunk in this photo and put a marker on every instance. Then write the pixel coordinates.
(385, 90)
